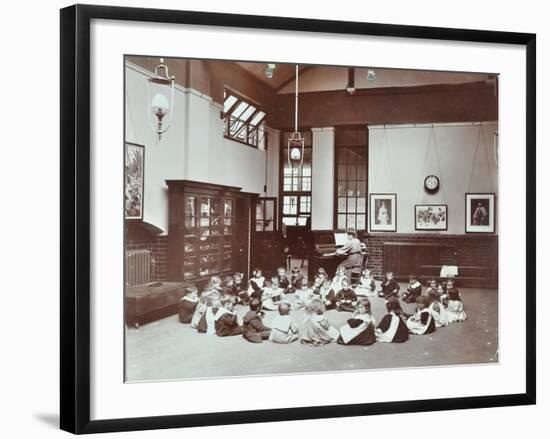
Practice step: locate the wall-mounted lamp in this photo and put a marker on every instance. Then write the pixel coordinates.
(161, 104)
(371, 75)
(269, 70)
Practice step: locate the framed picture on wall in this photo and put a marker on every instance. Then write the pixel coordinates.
(480, 213)
(383, 212)
(430, 217)
(134, 179)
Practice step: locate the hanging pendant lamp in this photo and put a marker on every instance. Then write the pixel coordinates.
(295, 143)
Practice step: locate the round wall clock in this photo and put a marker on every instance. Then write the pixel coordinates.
(431, 184)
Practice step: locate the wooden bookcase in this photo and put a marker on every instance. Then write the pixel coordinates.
(209, 231)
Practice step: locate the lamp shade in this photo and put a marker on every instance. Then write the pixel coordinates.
(160, 103)
(295, 154)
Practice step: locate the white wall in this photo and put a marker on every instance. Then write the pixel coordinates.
(193, 148)
(322, 181)
(397, 165)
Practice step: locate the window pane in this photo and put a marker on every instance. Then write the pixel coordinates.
(190, 206)
(341, 221)
(341, 205)
(351, 205)
(302, 220)
(269, 209)
(228, 103)
(228, 208)
(362, 172)
(259, 226)
(287, 184)
(361, 205)
(306, 184)
(306, 171)
(259, 116)
(342, 173)
(361, 222)
(289, 221)
(342, 155)
(341, 188)
(247, 113)
(240, 109)
(351, 221)
(259, 210)
(352, 172)
(351, 189)
(361, 188)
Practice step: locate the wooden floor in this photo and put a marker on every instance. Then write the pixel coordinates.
(166, 349)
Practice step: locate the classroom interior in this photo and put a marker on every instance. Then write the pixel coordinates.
(224, 190)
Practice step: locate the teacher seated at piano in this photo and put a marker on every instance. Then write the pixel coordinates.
(351, 250)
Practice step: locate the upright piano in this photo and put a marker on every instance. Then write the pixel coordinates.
(325, 244)
(324, 247)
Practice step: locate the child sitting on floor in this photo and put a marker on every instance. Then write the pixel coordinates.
(390, 288)
(422, 322)
(336, 284)
(282, 280)
(295, 278)
(366, 285)
(392, 328)
(226, 322)
(316, 330)
(346, 299)
(227, 286)
(432, 286)
(254, 329)
(271, 295)
(207, 321)
(413, 291)
(188, 304)
(455, 308)
(439, 312)
(359, 330)
(283, 328)
(304, 294)
(199, 310)
(256, 283)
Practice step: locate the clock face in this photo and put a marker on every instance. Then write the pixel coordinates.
(431, 183)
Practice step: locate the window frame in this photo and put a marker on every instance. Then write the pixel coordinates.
(364, 231)
(298, 194)
(247, 126)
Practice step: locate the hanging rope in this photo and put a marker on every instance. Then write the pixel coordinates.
(480, 134)
(384, 142)
(439, 167)
(420, 186)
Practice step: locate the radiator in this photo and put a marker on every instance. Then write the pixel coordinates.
(404, 258)
(138, 267)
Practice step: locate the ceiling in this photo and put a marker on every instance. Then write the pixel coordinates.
(324, 78)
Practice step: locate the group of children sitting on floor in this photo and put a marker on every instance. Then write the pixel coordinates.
(213, 312)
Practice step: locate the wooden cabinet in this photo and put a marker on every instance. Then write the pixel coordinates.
(209, 231)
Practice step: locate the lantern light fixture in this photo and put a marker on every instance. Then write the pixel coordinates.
(161, 99)
(295, 144)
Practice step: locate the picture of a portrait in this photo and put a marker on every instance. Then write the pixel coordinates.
(480, 213)
(383, 212)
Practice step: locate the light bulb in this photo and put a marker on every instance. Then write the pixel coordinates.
(159, 104)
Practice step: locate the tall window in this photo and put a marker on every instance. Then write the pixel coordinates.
(243, 120)
(296, 200)
(351, 184)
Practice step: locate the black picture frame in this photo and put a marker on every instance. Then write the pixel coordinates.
(75, 217)
(373, 227)
(128, 214)
(490, 227)
(432, 229)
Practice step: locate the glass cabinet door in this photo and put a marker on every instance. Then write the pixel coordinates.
(266, 215)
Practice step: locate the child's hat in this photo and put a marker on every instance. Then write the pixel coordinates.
(321, 270)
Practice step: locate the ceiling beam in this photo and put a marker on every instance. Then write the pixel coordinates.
(301, 69)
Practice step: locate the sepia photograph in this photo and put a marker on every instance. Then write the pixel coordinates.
(257, 200)
(431, 217)
(383, 212)
(480, 215)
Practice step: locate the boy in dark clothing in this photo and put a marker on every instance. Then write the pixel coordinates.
(390, 287)
(254, 329)
(413, 291)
